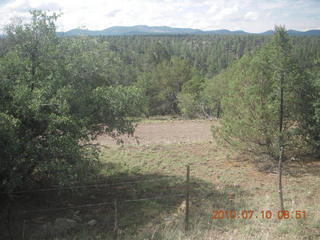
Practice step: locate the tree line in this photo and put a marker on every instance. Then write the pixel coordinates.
(197, 61)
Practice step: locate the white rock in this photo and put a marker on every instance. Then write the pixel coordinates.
(92, 222)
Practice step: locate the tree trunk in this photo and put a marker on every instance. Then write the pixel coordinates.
(218, 110)
(281, 143)
(280, 179)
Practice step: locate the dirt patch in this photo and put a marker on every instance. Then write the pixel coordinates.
(168, 132)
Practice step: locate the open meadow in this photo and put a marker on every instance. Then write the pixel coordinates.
(230, 180)
(149, 204)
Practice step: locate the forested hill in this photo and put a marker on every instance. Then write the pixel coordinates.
(171, 69)
(164, 30)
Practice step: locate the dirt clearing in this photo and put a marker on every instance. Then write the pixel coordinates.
(167, 132)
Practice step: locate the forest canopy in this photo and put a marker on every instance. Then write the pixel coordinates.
(57, 93)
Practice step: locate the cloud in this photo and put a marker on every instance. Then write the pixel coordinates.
(113, 13)
(268, 5)
(203, 14)
(226, 12)
(251, 16)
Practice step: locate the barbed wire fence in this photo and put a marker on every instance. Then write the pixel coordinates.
(112, 203)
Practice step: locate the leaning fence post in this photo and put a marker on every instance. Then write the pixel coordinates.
(187, 199)
(115, 233)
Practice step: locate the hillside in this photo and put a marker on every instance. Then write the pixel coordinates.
(165, 30)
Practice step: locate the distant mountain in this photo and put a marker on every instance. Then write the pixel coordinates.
(134, 30)
(142, 29)
(310, 32)
(164, 30)
(270, 32)
(226, 32)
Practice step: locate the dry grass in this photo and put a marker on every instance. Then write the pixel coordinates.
(234, 176)
(237, 184)
(220, 180)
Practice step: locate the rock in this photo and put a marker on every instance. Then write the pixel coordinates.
(77, 218)
(92, 222)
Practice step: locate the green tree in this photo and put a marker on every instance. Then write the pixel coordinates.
(163, 84)
(55, 95)
(213, 92)
(308, 105)
(188, 97)
(271, 104)
(315, 126)
(251, 106)
(157, 53)
(281, 56)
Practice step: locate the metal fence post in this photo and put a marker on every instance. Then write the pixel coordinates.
(115, 233)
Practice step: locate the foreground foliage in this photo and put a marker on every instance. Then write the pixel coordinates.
(55, 93)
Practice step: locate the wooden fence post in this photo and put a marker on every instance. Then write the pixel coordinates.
(187, 198)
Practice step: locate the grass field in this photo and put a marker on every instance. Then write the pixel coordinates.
(220, 180)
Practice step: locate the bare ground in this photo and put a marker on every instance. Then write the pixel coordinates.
(168, 132)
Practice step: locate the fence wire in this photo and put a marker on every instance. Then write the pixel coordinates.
(101, 204)
(102, 185)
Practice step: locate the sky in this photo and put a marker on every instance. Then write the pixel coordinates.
(248, 15)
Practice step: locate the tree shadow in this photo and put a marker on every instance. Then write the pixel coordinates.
(143, 201)
(303, 167)
(294, 167)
